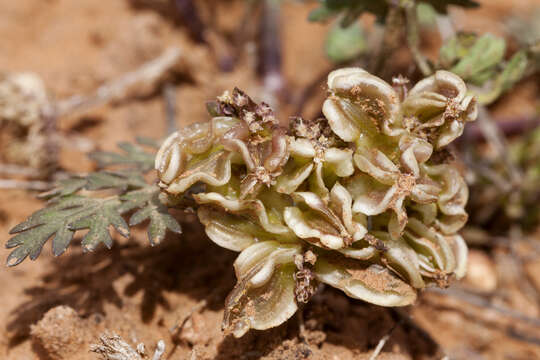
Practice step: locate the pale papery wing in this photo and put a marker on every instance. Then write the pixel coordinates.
(214, 169)
(452, 198)
(262, 253)
(425, 190)
(262, 307)
(302, 148)
(427, 212)
(339, 161)
(250, 207)
(194, 139)
(450, 224)
(440, 103)
(240, 149)
(450, 131)
(444, 83)
(313, 230)
(371, 96)
(264, 294)
(357, 252)
(433, 245)
(278, 155)
(316, 182)
(414, 151)
(293, 176)
(376, 201)
(427, 107)
(401, 258)
(372, 283)
(341, 204)
(375, 163)
(460, 252)
(230, 231)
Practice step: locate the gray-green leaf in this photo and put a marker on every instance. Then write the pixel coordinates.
(133, 155)
(151, 209)
(60, 220)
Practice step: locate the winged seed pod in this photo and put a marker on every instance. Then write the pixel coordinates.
(356, 200)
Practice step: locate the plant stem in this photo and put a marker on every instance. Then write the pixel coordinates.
(170, 107)
(413, 38)
(391, 38)
(269, 66)
(189, 14)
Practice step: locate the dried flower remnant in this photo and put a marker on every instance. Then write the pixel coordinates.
(354, 200)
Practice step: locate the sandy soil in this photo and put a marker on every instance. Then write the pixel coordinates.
(55, 308)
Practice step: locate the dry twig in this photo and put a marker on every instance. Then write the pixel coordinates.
(148, 74)
(24, 184)
(179, 325)
(270, 49)
(413, 39)
(496, 139)
(10, 169)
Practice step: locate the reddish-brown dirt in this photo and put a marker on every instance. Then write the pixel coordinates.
(54, 308)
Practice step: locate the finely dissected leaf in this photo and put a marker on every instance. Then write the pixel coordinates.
(133, 155)
(150, 208)
(65, 187)
(60, 221)
(143, 140)
(120, 180)
(344, 44)
(68, 213)
(98, 225)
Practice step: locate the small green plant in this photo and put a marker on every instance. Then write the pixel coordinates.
(366, 200)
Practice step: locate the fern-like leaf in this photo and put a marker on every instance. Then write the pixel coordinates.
(133, 155)
(68, 212)
(60, 221)
(150, 208)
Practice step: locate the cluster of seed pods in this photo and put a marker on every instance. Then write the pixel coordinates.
(366, 199)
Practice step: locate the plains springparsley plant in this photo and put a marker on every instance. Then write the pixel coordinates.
(367, 199)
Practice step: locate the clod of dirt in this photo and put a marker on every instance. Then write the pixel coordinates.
(61, 333)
